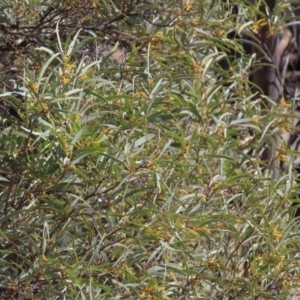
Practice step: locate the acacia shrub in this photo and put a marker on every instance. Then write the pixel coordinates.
(142, 179)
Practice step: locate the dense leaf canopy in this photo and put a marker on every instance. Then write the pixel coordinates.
(130, 157)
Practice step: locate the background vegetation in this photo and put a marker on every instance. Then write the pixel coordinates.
(129, 157)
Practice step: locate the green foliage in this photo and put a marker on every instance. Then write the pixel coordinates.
(135, 180)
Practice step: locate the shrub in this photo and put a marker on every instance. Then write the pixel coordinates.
(141, 177)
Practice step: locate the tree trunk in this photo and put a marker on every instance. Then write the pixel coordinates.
(267, 79)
